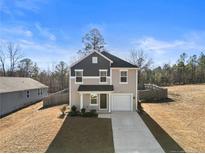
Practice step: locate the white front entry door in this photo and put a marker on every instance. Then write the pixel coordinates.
(121, 102)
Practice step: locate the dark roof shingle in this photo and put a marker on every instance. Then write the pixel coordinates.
(95, 88)
(117, 62)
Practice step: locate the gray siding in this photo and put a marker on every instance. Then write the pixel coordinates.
(90, 69)
(12, 101)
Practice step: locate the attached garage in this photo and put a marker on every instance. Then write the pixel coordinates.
(121, 102)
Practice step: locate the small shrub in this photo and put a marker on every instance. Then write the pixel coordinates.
(74, 108)
(83, 110)
(74, 113)
(90, 114)
(93, 111)
(63, 109)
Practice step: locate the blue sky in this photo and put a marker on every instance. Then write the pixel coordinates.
(51, 30)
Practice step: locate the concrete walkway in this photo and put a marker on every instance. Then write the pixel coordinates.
(130, 134)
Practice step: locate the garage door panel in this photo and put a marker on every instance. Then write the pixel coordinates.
(121, 102)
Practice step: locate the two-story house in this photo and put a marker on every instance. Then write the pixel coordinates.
(103, 82)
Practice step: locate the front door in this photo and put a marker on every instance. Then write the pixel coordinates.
(103, 101)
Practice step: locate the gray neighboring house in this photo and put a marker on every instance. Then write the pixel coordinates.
(103, 82)
(18, 92)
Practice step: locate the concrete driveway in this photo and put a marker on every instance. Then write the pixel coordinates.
(130, 134)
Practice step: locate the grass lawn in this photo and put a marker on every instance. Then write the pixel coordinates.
(30, 129)
(33, 129)
(179, 124)
(83, 135)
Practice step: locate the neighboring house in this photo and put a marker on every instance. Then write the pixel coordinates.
(18, 92)
(103, 82)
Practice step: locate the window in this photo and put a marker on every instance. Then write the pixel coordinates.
(27, 94)
(103, 75)
(41, 92)
(123, 76)
(78, 76)
(93, 99)
(94, 60)
(38, 92)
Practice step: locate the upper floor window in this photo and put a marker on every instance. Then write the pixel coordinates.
(103, 75)
(94, 60)
(123, 76)
(78, 76)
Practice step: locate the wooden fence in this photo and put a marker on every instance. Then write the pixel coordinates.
(60, 97)
(152, 93)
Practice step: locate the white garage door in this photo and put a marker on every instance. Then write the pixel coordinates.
(121, 102)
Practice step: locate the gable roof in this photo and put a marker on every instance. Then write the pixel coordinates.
(12, 84)
(118, 62)
(89, 55)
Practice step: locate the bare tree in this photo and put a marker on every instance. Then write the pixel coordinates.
(25, 67)
(62, 74)
(138, 57)
(14, 56)
(2, 61)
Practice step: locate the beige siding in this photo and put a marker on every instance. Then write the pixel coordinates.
(118, 88)
(75, 96)
(130, 87)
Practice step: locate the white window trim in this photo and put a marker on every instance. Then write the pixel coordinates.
(93, 60)
(120, 77)
(101, 70)
(96, 100)
(80, 70)
(89, 77)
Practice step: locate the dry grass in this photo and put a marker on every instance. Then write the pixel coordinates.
(33, 129)
(30, 129)
(184, 118)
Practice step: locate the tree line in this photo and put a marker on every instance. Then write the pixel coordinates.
(19, 66)
(187, 70)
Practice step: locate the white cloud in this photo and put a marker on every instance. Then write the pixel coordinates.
(167, 51)
(45, 54)
(16, 31)
(45, 32)
(192, 41)
(11, 7)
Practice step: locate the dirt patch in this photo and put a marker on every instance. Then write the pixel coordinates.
(184, 118)
(30, 129)
(83, 135)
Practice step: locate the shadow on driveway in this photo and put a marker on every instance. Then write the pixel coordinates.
(83, 135)
(167, 142)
